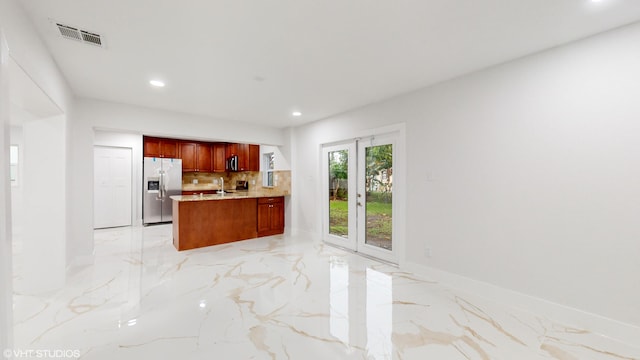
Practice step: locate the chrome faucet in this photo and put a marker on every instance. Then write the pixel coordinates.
(221, 186)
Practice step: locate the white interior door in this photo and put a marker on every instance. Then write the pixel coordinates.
(112, 187)
(358, 204)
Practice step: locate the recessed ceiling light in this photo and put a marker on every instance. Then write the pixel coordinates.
(296, 113)
(157, 83)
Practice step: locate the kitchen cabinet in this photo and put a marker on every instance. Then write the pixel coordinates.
(203, 223)
(248, 156)
(270, 216)
(219, 157)
(242, 152)
(160, 147)
(195, 157)
(254, 158)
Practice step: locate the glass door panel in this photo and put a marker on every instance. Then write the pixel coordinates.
(375, 197)
(339, 205)
(338, 193)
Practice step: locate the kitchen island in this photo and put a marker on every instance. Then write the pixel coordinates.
(212, 219)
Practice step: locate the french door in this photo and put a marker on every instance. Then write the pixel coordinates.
(358, 196)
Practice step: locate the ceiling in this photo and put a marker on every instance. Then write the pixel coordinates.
(258, 61)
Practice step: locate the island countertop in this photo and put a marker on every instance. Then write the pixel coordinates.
(265, 193)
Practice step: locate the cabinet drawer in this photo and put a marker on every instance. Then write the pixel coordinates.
(271, 200)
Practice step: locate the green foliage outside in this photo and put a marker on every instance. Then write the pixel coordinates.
(378, 188)
(379, 217)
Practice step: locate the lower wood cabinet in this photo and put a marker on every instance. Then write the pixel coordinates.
(203, 223)
(270, 216)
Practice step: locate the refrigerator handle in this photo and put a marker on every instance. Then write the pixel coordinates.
(161, 185)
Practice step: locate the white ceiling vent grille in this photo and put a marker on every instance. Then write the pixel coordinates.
(72, 33)
(91, 38)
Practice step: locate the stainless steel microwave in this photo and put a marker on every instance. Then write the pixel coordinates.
(232, 163)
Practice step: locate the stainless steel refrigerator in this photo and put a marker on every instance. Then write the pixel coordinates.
(162, 179)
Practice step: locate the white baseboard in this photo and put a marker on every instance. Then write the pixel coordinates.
(624, 332)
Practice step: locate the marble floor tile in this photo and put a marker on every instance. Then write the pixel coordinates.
(280, 297)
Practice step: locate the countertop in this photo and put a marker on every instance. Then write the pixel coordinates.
(200, 187)
(231, 195)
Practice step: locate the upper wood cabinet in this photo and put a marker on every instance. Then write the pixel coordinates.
(219, 157)
(159, 147)
(232, 149)
(254, 158)
(248, 156)
(195, 157)
(203, 156)
(243, 157)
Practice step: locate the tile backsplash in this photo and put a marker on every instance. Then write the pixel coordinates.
(211, 181)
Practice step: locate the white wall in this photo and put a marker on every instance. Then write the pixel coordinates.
(6, 289)
(44, 199)
(525, 175)
(281, 162)
(28, 50)
(16, 138)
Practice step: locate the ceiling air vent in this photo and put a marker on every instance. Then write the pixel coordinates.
(72, 33)
(69, 32)
(91, 38)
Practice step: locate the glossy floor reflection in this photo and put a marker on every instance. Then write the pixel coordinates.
(277, 298)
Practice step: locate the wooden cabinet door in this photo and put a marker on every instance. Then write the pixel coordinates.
(270, 216)
(219, 157)
(168, 148)
(232, 149)
(203, 158)
(254, 158)
(243, 157)
(264, 219)
(151, 146)
(158, 147)
(277, 217)
(189, 156)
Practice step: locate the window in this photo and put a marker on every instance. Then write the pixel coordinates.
(269, 166)
(13, 164)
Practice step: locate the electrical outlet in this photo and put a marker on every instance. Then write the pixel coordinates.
(427, 252)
